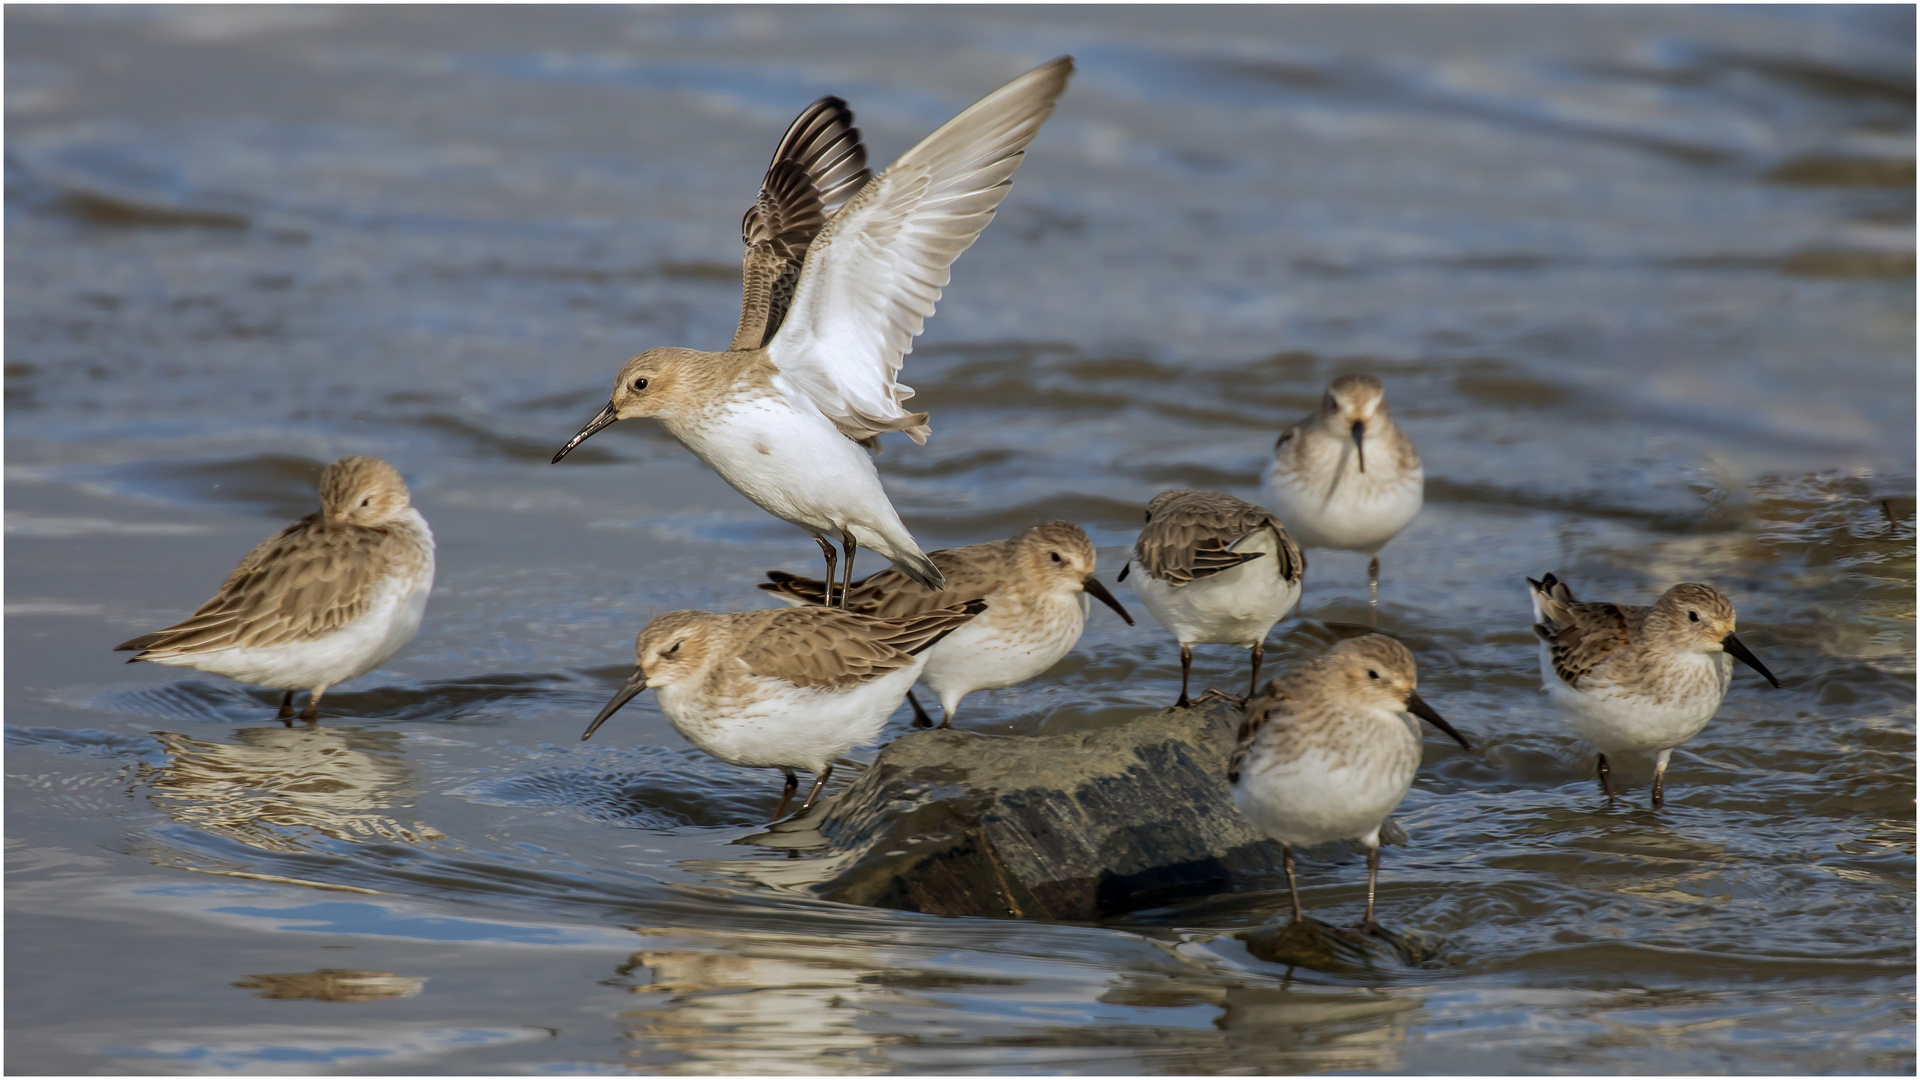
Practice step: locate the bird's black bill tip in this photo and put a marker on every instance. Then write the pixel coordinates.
(1100, 593)
(635, 683)
(1741, 653)
(1360, 442)
(1418, 707)
(605, 417)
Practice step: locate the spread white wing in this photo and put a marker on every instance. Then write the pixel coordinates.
(871, 277)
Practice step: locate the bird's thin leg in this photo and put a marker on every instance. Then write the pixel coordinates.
(1253, 685)
(1373, 879)
(311, 714)
(1606, 777)
(286, 707)
(1293, 889)
(1373, 588)
(1659, 775)
(819, 785)
(833, 560)
(946, 717)
(920, 717)
(1186, 668)
(850, 545)
(786, 796)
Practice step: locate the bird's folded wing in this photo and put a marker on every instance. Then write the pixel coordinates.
(1195, 537)
(872, 276)
(891, 594)
(1580, 637)
(828, 647)
(304, 582)
(819, 164)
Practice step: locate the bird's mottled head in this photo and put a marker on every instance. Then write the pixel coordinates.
(655, 382)
(1377, 670)
(1355, 398)
(1700, 618)
(674, 646)
(1059, 554)
(361, 491)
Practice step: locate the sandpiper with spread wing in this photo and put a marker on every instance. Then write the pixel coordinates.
(791, 688)
(1215, 570)
(1330, 748)
(1036, 586)
(1347, 477)
(332, 596)
(1639, 680)
(833, 299)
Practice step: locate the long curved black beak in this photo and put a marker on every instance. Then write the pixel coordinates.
(1739, 652)
(635, 683)
(607, 416)
(1359, 442)
(1100, 593)
(1424, 711)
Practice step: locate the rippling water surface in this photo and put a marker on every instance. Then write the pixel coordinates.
(1639, 282)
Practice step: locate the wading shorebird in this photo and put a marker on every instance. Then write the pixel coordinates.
(1330, 749)
(1215, 570)
(1036, 587)
(789, 689)
(832, 305)
(332, 596)
(1347, 477)
(1638, 680)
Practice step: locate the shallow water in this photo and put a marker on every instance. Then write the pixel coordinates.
(1640, 284)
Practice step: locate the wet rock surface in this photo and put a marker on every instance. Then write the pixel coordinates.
(1076, 826)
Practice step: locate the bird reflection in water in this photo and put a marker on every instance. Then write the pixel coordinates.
(274, 785)
(334, 984)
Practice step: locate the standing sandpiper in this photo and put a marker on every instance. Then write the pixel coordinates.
(1638, 680)
(783, 414)
(1330, 749)
(1346, 477)
(1036, 587)
(1215, 570)
(788, 689)
(332, 596)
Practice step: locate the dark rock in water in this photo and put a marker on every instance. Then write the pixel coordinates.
(1074, 826)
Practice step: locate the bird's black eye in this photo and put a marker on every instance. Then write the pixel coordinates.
(368, 501)
(675, 649)
(1372, 674)
(1693, 616)
(639, 384)
(1054, 555)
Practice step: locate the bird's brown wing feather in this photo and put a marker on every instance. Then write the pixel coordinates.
(828, 647)
(308, 580)
(1580, 636)
(819, 164)
(970, 572)
(1192, 537)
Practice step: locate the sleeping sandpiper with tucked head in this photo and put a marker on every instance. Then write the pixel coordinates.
(1347, 477)
(788, 689)
(783, 418)
(1330, 748)
(1215, 570)
(1639, 680)
(332, 596)
(1036, 587)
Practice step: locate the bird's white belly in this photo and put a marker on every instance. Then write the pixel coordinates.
(795, 465)
(1616, 720)
(1358, 514)
(777, 724)
(1321, 796)
(354, 649)
(1005, 645)
(1233, 607)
